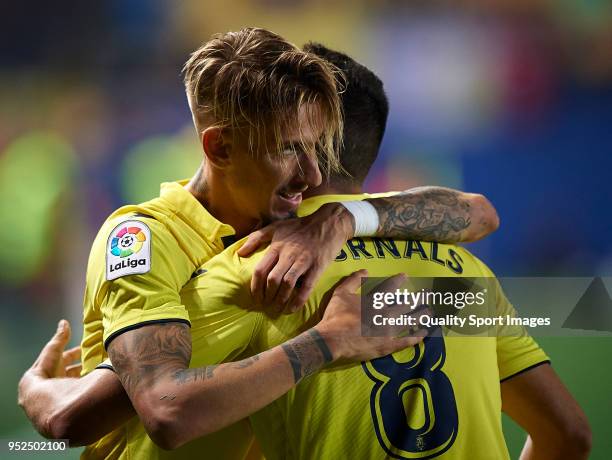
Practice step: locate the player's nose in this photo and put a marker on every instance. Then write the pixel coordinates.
(310, 172)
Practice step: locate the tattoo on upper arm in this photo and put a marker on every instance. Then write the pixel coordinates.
(145, 354)
(307, 353)
(425, 213)
(151, 352)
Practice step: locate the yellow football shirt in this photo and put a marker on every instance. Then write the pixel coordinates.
(438, 400)
(141, 258)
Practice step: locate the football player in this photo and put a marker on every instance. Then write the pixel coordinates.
(260, 158)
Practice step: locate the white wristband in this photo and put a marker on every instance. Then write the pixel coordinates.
(365, 215)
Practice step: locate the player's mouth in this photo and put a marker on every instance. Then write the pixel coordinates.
(292, 197)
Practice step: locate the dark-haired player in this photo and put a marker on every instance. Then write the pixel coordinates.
(440, 399)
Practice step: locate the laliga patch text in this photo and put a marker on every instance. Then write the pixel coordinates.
(128, 250)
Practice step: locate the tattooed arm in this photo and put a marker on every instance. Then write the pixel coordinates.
(177, 404)
(83, 410)
(435, 214)
(152, 362)
(302, 248)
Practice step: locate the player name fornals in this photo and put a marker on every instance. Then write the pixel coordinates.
(458, 321)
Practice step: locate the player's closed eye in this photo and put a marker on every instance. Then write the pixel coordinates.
(289, 151)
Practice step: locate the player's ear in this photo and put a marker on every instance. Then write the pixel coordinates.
(215, 147)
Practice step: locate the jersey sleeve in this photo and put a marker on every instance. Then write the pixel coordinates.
(106, 364)
(517, 351)
(139, 269)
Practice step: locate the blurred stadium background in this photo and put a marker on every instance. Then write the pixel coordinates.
(509, 98)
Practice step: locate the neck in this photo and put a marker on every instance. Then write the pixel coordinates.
(211, 191)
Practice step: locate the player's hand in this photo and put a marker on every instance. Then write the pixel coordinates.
(341, 325)
(54, 361)
(300, 250)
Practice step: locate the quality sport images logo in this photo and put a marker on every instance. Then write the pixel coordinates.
(128, 250)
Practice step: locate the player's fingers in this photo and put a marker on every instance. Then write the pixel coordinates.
(352, 282)
(292, 282)
(58, 341)
(260, 276)
(399, 343)
(71, 354)
(407, 309)
(63, 332)
(422, 311)
(50, 355)
(416, 336)
(302, 292)
(255, 240)
(275, 277)
(412, 329)
(389, 284)
(74, 370)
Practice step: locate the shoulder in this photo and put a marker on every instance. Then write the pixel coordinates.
(151, 219)
(478, 265)
(470, 264)
(131, 241)
(226, 273)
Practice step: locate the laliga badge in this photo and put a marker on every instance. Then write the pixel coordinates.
(128, 250)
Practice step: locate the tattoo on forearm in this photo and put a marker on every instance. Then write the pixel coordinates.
(245, 362)
(307, 353)
(204, 373)
(425, 213)
(193, 375)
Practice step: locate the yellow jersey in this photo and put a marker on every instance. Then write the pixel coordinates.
(440, 399)
(141, 258)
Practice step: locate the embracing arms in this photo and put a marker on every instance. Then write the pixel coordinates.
(177, 404)
(301, 248)
(435, 214)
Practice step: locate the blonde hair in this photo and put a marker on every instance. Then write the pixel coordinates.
(256, 83)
